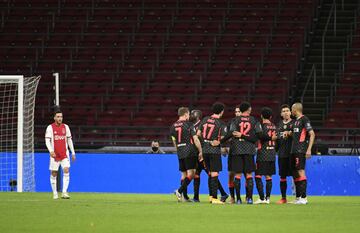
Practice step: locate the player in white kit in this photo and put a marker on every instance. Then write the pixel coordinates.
(58, 140)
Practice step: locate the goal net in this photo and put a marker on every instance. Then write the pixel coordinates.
(17, 104)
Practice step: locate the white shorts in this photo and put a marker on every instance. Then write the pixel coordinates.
(54, 165)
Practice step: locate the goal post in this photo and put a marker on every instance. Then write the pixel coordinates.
(17, 104)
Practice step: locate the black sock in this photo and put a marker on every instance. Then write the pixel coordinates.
(303, 186)
(214, 186)
(260, 187)
(221, 189)
(297, 189)
(237, 184)
(186, 197)
(268, 188)
(209, 185)
(196, 187)
(283, 187)
(232, 189)
(250, 187)
(184, 185)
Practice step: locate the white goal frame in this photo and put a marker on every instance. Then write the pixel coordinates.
(19, 79)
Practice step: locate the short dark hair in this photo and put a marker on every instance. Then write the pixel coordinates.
(244, 106)
(217, 107)
(196, 113)
(284, 106)
(266, 113)
(182, 111)
(57, 111)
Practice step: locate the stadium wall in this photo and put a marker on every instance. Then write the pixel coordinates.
(149, 173)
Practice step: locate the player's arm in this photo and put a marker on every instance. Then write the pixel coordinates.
(311, 143)
(233, 130)
(70, 143)
(253, 139)
(173, 138)
(48, 141)
(198, 146)
(223, 132)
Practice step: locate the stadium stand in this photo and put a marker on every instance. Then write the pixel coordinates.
(126, 66)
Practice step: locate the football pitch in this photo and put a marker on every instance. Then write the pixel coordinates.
(95, 212)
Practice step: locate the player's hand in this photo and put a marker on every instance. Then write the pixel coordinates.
(286, 134)
(52, 154)
(215, 143)
(274, 138)
(73, 157)
(308, 154)
(237, 134)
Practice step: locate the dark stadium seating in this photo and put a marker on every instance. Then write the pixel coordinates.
(131, 64)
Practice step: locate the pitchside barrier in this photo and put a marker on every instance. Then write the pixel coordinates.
(152, 173)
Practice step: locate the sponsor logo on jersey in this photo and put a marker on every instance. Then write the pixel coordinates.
(57, 137)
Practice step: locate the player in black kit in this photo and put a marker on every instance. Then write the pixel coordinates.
(283, 145)
(266, 155)
(183, 135)
(195, 118)
(303, 137)
(244, 129)
(211, 131)
(231, 174)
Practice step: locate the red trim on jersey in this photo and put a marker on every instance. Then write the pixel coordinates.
(215, 116)
(249, 177)
(231, 184)
(189, 177)
(258, 176)
(301, 178)
(268, 179)
(197, 176)
(303, 135)
(238, 177)
(245, 114)
(283, 180)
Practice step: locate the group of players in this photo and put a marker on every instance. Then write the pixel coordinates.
(200, 143)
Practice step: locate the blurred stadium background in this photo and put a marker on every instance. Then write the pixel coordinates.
(126, 66)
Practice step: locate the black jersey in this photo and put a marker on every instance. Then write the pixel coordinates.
(284, 144)
(266, 147)
(300, 141)
(182, 133)
(211, 128)
(196, 127)
(249, 128)
(229, 137)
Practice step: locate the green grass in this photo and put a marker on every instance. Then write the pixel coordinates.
(90, 212)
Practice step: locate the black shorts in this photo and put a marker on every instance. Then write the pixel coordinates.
(284, 167)
(265, 168)
(213, 162)
(200, 166)
(187, 163)
(242, 163)
(297, 162)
